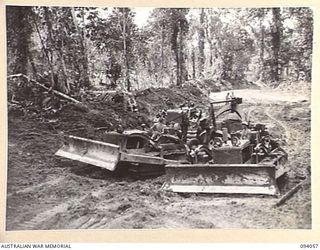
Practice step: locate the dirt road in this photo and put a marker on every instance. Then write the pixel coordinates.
(263, 96)
(47, 192)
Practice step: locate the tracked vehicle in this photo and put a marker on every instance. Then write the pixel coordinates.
(229, 169)
(132, 151)
(228, 161)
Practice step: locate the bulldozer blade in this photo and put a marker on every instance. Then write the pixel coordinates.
(93, 152)
(222, 178)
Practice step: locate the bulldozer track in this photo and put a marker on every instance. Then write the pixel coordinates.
(95, 222)
(291, 135)
(88, 223)
(92, 221)
(35, 187)
(282, 124)
(36, 222)
(101, 223)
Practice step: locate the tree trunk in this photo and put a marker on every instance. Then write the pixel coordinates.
(178, 67)
(183, 69)
(49, 32)
(183, 66)
(63, 84)
(193, 58)
(162, 54)
(176, 52)
(126, 61)
(262, 45)
(19, 31)
(45, 51)
(34, 69)
(201, 44)
(85, 53)
(65, 87)
(81, 39)
(276, 40)
(211, 54)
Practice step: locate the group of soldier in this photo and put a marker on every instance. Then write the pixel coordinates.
(161, 125)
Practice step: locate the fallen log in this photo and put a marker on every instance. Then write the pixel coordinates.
(75, 103)
(291, 192)
(58, 93)
(102, 128)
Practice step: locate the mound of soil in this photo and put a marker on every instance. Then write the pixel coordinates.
(152, 100)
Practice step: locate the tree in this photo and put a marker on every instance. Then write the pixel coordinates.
(201, 42)
(56, 35)
(165, 45)
(296, 47)
(116, 35)
(81, 37)
(276, 33)
(19, 33)
(75, 46)
(179, 28)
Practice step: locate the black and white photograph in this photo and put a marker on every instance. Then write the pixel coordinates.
(158, 118)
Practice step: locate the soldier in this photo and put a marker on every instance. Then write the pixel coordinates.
(184, 126)
(245, 133)
(264, 146)
(204, 131)
(156, 119)
(158, 128)
(177, 130)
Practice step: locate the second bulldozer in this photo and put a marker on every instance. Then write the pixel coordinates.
(248, 161)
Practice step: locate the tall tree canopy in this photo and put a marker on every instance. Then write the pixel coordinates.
(79, 47)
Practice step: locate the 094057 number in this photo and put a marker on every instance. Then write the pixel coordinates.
(309, 246)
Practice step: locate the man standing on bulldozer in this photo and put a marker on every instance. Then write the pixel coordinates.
(158, 129)
(204, 131)
(245, 132)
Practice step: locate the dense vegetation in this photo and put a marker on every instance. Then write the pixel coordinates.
(74, 48)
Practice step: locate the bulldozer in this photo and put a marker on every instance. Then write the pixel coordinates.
(230, 169)
(126, 151)
(224, 161)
